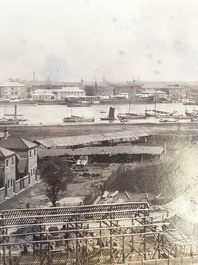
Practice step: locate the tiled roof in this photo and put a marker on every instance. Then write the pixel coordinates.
(5, 152)
(58, 142)
(102, 150)
(17, 143)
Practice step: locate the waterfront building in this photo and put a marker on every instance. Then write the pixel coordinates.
(43, 95)
(192, 91)
(176, 92)
(158, 95)
(66, 92)
(13, 90)
(106, 88)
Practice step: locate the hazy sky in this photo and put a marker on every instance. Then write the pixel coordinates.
(119, 39)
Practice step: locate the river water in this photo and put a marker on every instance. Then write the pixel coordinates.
(54, 114)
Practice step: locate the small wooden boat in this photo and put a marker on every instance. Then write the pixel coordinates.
(74, 118)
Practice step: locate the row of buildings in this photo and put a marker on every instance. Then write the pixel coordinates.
(48, 91)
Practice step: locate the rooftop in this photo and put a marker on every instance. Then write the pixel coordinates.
(11, 84)
(59, 142)
(5, 152)
(17, 143)
(102, 150)
(70, 89)
(43, 92)
(161, 85)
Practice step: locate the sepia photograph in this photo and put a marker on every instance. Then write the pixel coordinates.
(99, 132)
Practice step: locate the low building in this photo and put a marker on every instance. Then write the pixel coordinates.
(107, 154)
(105, 139)
(43, 95)
(67, 92)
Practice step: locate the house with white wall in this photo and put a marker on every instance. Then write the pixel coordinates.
(26, 157)
(7, 173)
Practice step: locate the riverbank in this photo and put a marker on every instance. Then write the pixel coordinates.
(40, 131)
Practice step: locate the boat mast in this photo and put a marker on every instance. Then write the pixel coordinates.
(15, 111)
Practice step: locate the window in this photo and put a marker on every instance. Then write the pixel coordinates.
(34, 151)
(11, 182)
(12, 161)
(6, 162)
(31, 172)
(8, 184)
(30, 153)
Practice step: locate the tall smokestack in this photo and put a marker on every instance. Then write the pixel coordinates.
(34, 77)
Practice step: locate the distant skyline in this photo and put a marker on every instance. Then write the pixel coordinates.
(70, 40)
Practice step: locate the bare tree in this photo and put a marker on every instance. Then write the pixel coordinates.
(56, 174)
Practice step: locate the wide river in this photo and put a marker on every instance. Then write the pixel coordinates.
(54, 114)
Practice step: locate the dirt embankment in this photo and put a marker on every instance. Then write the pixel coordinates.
(33, 132)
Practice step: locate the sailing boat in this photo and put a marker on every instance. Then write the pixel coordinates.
(74, 118)
(130, 115)
(15, 115)
(110, 117)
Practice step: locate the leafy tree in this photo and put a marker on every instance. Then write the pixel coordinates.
(56, 174)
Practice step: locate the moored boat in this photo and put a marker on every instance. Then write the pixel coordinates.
(168, 120)
(5, 121)
(74, 118)
(131, 116)
(79, 104)
(110, 117)
(190, 102)
(15, 116)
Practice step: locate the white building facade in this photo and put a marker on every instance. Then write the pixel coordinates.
(66, 92)
(13, 90)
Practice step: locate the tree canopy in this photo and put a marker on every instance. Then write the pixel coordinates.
(56, 174)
